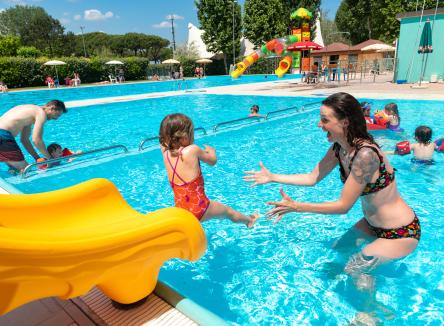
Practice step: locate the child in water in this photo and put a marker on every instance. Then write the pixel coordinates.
(391, 110)
(366, 108)
(254, 111)
(182, 161)
(424, 148)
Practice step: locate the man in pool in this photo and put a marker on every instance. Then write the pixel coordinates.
(19, 120)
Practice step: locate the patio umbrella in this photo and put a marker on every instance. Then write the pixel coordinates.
(379, 47)
(204, 61)
(55, 63)
(303, 46)
(425, 46)
(114, 62)
(170, 61)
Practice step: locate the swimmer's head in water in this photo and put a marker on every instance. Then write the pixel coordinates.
(423, 134)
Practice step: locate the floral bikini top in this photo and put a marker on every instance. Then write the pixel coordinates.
(385, 178)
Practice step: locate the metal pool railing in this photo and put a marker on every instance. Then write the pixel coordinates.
(156, 138)
(236, 121)
(64, 158)
(293, 109)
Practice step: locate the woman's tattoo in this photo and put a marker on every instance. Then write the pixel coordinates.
(365, 165)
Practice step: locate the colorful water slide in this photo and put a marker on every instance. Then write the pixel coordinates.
(273, 47)
(64, 242)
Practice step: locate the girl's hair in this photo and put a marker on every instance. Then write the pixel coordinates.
(393, 109)
(423, 134)
(345, 106)
(173, 128)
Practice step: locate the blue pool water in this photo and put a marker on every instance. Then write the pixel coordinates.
(285, 273)
(40, 97)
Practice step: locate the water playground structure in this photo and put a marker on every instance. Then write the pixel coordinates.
(288, 47)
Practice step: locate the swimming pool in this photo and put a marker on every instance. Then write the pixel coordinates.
(279, 274)
(40, 97)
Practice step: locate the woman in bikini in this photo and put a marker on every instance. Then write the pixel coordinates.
(388, 221)
(182, 161)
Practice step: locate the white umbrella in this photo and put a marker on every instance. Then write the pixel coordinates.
(379, 47)
(55, 63)
(170, 61)
(114, 62)
(204, 61)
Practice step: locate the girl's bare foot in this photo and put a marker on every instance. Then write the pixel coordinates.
(253, 220)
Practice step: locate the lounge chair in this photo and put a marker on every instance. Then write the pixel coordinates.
(112, 79)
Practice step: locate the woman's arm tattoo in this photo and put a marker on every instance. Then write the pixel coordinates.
(365, 165)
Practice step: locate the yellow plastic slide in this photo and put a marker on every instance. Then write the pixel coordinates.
(64, 242)
(283, 67)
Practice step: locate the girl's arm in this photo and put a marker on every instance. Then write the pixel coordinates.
(364, 167)
(324, 167)
(207, 155)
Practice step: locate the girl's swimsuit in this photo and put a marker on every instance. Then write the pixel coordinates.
(412, 230)
(189, 195)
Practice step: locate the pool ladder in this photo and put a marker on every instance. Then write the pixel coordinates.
(59, 159)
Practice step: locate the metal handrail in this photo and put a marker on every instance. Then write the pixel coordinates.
(301, 108)
(157, 137)
(59, 159)
(257, 118)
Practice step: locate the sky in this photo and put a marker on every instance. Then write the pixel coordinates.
(120, 17)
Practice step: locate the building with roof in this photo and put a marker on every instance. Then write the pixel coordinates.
(351, 54)
(409, 61)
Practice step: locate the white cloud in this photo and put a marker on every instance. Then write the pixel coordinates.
(94, 14)
(77, 17)
(2, 9)
(163, 24)
(174, 16)
(65, 20)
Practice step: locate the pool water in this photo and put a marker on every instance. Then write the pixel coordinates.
(285, 273)
(40, 97)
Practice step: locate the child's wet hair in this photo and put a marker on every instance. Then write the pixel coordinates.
(53, 147)
(173, 128)
(393, 109)
(423, 134)
(255, 108)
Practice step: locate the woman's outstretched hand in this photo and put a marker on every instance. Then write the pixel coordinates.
(286, 205)
(258, 177)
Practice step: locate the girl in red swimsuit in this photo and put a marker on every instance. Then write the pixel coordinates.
(182, 161)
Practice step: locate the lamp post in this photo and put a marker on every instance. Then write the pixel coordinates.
(83, 41)
(234, 54)
(173, 44)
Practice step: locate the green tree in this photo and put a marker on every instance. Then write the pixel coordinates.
(155, 45)
(28, 52)
(134, 42)
(216, 18)
(330, 31)
(9, 46)
(263, 21)
(375, 19)
(34, 27)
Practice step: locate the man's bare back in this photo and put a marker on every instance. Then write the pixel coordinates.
(19, 117)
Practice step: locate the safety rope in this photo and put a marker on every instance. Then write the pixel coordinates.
(409, 70)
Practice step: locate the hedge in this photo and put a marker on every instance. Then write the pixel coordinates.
(28, 72)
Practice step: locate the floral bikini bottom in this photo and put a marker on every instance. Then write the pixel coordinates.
(412, 230)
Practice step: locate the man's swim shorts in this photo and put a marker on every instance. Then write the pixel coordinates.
(9, 150)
